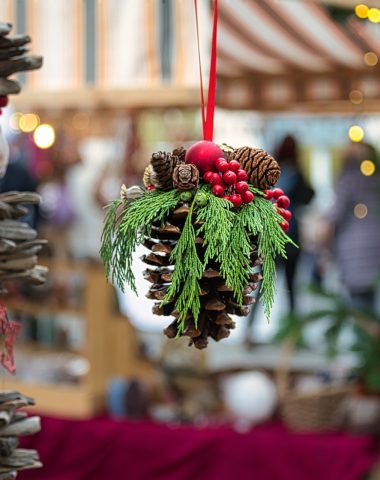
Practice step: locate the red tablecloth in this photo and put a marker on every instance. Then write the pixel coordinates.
(105, 449)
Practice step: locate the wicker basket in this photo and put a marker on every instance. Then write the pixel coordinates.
(319, 410)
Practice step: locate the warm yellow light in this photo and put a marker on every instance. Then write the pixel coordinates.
(367, 167)
(80, 120)
(14, 121)
(29, 122)
(361, 10)
(371, 59)
(356, 133)
(360, 210)
(374, 15)
(356, 97)
(44, 136)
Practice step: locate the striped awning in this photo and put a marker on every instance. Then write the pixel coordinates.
(276, 53)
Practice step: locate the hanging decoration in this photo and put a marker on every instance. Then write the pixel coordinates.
(213, 227)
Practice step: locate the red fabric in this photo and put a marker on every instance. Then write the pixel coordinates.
(208, 116)
(105, 449)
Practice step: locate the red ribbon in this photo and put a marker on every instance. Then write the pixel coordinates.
(208, 113)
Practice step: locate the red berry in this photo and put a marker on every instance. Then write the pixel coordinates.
(229, 177)
(221, 164)
(268, 194)
(247, 197)
(208, 176)
(283, 201)
(218, 190)
(287, 214)
(216, 179)
(277, 192)
(241, 187)
(234, 165)
(3, 101)
(284, 225)
(236, 199)
(227, 197)
(241, 175)
(150, 187)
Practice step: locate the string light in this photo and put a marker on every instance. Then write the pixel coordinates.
(367, 167)
(361, 10)
(360, 210)
(374, 15)
(44, 136)
(28, 122)
(356, 133)
(14, 121)
(371, 59)
(356, 97)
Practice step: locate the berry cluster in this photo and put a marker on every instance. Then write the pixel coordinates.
(281, 202)
(230, 182)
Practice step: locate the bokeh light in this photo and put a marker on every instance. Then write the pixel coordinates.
(360, 210)
(14, 121)
(367, 167)
(371, 59)
(356, 133)
(361, 10)
(44, 136)
(356, 97)
(373, 15)
(28, 122)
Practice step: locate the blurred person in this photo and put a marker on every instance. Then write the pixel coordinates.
(355, 227)
(300, 193)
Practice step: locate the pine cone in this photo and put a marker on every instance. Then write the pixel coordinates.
(262, 169)
(163, 164)
(185, 177)
(217, 300)
(180, 153)
(147, 176)
(227, 150)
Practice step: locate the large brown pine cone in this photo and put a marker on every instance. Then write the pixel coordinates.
(262, 169)
(185, 177)
(180, 153)
(163, 164)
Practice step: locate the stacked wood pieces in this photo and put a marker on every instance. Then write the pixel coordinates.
(19, 244)
(13, 424)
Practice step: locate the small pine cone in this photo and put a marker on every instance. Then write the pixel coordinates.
(227, 150)
(163, 165)
(262, 169)
(147, 176)
(180, 153)
(185, 177)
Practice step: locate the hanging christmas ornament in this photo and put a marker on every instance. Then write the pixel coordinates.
(212, 230)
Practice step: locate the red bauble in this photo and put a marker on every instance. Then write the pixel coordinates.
(236, 199)
(241, 187)
(283, 201)
(268, 194)
(287, 214)
(234, 165)
(284, 225)
(221, 164)
(208, 176)
(229, 177)
(247, 197)
(277, 192)
(203, 155)
(227, 197)
(218, 190)
(3, 101)
(216, 179)
(241, 175)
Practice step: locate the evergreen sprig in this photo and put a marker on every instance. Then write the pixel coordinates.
(120, 239)
(187, 272)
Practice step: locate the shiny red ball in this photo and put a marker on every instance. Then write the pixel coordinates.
(236, 199)
(247, 197)
(203, 155)
(216, 179)
(268, 194)
(218, 190)
(241, 187)
(284, 225)
(221, 164)
(229, 177)
(277, 192)
(241, 175)
(208, 176)
(234, 165)
(283, 201)
(287, 214)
